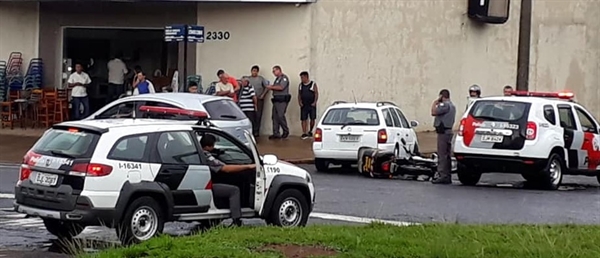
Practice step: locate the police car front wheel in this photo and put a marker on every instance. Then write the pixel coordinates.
(142, 221)
(290, 209)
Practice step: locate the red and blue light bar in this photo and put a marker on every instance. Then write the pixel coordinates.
(559, 95)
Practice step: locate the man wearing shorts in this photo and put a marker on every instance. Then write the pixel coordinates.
(308, 94)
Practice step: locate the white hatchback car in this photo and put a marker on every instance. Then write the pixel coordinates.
(346, 127)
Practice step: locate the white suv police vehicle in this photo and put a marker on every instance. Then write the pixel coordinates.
(136, 174)
(347, 127)
(540, 135)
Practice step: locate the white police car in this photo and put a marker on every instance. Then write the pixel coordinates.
(136, 174)
(540, 135)
(347, 127)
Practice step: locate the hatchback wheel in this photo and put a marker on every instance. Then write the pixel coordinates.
(322, 165)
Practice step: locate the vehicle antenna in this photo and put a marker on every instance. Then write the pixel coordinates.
(354, 96)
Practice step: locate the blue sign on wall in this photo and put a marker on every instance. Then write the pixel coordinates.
(175, 33)
(195, 34)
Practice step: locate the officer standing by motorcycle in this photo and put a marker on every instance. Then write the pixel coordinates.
(474, 93)
(444, 112)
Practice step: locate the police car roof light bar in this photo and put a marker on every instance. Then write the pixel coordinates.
(174, 111)
(560, 95)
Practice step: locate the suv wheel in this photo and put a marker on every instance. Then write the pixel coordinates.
(468, 176)
(598, 178)
(322, 165)
(290, 209)
(141, 221)
(552, 173)
(63, 229)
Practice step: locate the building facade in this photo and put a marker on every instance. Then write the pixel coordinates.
(368, 50)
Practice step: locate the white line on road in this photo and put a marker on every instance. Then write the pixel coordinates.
(338, 217)
(20, 222)
(6, 196)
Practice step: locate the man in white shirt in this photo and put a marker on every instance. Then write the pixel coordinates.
(224, 87)
(116, 76)
(79, 81)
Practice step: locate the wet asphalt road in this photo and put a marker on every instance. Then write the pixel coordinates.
(498, 199)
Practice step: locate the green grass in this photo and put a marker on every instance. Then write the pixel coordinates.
(379, 241)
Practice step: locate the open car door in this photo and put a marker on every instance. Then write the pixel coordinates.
(261, 177)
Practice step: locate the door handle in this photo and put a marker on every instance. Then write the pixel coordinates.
(238, 129)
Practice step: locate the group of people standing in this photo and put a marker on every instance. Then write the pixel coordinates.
(251, 94)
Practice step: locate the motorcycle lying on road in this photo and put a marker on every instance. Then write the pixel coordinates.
(376, 163)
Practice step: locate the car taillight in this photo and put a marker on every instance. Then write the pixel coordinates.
(318, 135)
(382, 136)
(92, 169)
(385, 166)
(25, 172)
(531, 132)
(461, 128)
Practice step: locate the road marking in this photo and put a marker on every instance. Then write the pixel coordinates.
(19, 222)
(6, 196)
(338, 217)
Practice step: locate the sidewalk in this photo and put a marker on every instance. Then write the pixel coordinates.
(14, 144)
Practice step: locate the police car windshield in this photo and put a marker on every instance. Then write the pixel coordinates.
(66, 144)
(496, 110)
(351, 116)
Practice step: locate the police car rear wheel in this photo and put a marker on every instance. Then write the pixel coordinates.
(142, 221)
(467, 176)
(322, 165)
(63, 229)
(552, 173)
(290, 209)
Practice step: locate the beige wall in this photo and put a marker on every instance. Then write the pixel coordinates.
(565, 52)
(19, 30)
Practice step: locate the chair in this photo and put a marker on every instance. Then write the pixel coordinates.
(61, 107)
(35, 98)
(45, 110)
(8, 110)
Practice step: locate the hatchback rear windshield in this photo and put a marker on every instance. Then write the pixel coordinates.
(351, 116)
(494, 110)
(224, 109)
(61, 143)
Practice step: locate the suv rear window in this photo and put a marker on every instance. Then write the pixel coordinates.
(223, 109)
(356, 116)
(61, 143)
(495, 110)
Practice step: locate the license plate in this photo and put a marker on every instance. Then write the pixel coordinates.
(349, 138)
(492, 138)
(45, 179)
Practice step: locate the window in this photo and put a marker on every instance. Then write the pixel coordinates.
(163, 116)
(123, 110)
(351, 116)
(224, 109)
(65, 143)
(229, 152)
(389, 121)
(494, 110)
(403, 120)
(177, 148)
(587, 123)
(395, 117)
(130, 148)
(565, 115)
(549, 114)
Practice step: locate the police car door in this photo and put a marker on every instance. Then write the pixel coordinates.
(261, 177)
(590, 148)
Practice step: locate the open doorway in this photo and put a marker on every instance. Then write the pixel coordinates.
(94, 47)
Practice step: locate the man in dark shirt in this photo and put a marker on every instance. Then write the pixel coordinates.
(231, 192)
(308, 94)
(281, 99)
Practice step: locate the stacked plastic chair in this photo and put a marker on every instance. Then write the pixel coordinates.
(197, 79)
(3, 84)
(14, 73)
(212, 89)
(34, 75)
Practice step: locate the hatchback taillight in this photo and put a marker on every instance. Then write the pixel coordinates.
(318, 136)
(92, 169)
(461, 128)
(531, 131)
(382, 136)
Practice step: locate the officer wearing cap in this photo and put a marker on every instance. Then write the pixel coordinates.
(444, 114)
(474, 93)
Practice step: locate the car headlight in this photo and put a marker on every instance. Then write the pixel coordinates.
(308, 178)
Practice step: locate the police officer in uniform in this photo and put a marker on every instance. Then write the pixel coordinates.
(281, 99)
(444, 112)
(216, 166)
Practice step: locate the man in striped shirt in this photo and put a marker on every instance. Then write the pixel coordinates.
(248, 101)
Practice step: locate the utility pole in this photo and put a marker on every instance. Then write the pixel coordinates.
(524, 46)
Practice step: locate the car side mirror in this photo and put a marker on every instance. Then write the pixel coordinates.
(403, 141)
(414, 123)
(270, 159)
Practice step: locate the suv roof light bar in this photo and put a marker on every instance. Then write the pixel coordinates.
(559, 95)
(201, 115)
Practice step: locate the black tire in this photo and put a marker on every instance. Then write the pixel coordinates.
(322, 165)
(63, 229)
(598, 178)
(140, 211)
(468, 176)
(552, 174)
(529, 177)
(290, 200)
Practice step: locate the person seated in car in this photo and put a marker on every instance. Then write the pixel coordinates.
(231, 192)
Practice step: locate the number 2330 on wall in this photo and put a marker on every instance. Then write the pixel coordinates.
(217, 35)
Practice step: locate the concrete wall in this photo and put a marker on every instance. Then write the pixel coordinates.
(19, 30)
(565, 52)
